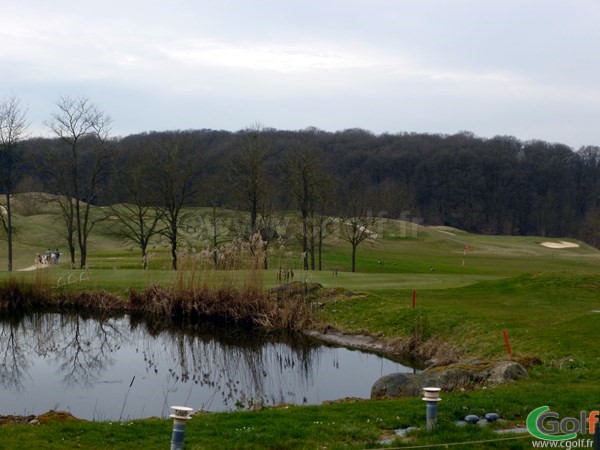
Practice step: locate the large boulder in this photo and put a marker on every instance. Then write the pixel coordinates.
(505, 371)
(449, 378)
(412, 384)
(397, 385)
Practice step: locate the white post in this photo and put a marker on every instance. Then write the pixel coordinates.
(181, 415)
(431, 395)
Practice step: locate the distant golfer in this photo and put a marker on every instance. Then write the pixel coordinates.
(56, 255)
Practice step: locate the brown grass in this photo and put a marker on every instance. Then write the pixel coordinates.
(196, 294)
(248, 305)
(432, 350)
(245, 306)
(18, 296)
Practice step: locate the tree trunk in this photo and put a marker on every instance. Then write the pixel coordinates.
(70, 242)
(72, 252)
(79, 233)
(174, 254)
(253, 217)
(304, 243)
(144, 258)
(174, 259)
(320, 248)
(312, 249)
(353, 257)
(83, 261)
(9, 232)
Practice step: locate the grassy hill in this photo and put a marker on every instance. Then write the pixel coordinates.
(546, 299)
(501, 282)
(399, 246)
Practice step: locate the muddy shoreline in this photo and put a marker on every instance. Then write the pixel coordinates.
(398, 350)
(359, 342)
(412, 352)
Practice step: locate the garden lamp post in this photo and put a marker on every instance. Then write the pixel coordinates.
(431, 395)
(181, 415)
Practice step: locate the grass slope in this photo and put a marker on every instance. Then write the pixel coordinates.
(544, 298)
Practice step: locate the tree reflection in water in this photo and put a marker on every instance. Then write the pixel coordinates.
(90, 365)
(14, 364)
(244, 367)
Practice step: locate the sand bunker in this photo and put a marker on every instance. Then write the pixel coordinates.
(561, 244)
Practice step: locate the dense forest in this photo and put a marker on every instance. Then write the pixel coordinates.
(499, 185)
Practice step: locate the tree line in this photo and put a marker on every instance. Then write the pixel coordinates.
(498, 185)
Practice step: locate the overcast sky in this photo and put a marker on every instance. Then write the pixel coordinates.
(527, 68)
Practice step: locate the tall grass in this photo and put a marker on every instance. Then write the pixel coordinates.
(196, 294)
(244, 306)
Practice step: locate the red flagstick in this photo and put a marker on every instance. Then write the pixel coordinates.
(414, 298)
(507, 343)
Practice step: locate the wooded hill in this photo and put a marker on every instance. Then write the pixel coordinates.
(500, 185)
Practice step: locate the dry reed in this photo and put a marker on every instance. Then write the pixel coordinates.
(196, 295)
(280, 309)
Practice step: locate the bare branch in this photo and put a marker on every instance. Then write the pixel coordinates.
(13, 123)
(77, 118)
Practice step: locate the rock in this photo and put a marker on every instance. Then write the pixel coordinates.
(402, 432)
(492, 417)
(16, 419)
(447, 380)
(397, 385)
(506, 371)
(472, 418)
(450, 378)
(57, 416)
(411, 385)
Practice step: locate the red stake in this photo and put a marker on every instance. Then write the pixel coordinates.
(414, 298)
(507, 343)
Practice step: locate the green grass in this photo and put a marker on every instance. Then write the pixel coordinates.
(543, 298)
(548, 316)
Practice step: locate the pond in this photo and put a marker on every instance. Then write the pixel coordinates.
(120, 368)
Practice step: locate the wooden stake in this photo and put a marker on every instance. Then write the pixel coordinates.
(507, 343)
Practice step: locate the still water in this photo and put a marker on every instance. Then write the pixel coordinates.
(127, 368)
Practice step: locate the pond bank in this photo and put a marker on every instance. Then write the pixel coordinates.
(420, 353)
(446, 367)
(248, 305)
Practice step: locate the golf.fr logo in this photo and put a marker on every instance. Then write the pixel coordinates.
(547, 425)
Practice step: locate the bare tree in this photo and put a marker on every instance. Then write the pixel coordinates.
(304, 180)
(13, 128)
(175, 183)
(249, 178)
(358, 223)
(139, 218)
(79, 168)
(268, 223)
(214, 198)
(14, 347)
(323, 227)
